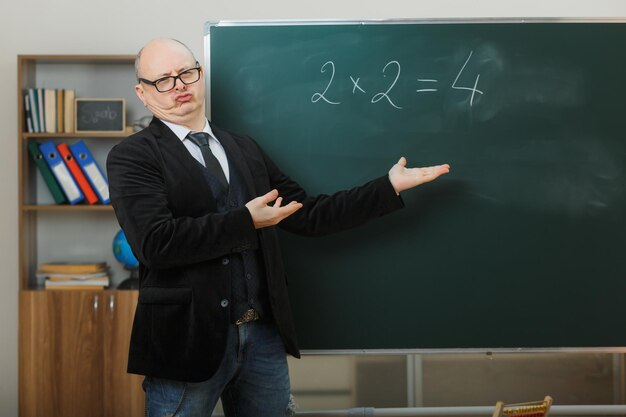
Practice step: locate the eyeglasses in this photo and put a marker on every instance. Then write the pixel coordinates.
(168, 83)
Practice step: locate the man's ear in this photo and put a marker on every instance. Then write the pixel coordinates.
(140, 93)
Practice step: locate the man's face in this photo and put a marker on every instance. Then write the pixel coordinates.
(184, 104)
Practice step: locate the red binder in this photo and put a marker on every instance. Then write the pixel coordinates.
(77, 173)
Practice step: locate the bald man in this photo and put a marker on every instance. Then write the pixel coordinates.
(200, 206)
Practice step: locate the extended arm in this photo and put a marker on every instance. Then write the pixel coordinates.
(324, 214)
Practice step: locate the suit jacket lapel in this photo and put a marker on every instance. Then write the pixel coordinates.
(236, 159)
(176, 151)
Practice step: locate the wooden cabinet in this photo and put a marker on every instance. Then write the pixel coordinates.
(60, 352)
(73, 354)
(73, 344)
(122, 391)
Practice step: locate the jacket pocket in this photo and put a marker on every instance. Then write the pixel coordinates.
(165, 295)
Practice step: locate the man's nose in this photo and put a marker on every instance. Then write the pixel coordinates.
(179, 85)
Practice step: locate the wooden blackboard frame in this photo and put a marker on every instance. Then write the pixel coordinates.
(207, 44)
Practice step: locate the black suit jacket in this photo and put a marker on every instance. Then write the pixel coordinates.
(166, 209)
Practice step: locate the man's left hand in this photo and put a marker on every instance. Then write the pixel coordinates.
(403, 178)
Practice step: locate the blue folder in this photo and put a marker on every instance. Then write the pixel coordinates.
(61, 172)
(92, 171)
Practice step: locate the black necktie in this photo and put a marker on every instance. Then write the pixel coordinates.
(202, 140)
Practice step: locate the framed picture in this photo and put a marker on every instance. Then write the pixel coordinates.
(96, 115)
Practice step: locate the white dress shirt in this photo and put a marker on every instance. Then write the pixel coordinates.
(215, 145)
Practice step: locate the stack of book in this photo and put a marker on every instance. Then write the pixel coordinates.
(74, 276)
(70, 172)
(49, 110)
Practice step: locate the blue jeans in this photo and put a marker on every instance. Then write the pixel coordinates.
(252, 380)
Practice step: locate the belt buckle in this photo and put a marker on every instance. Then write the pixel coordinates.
(247, 317)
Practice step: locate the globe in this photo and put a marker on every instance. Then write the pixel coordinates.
(124, 254)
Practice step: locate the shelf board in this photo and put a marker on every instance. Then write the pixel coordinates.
(106, 135)
(106, 290)
(62, 207)
(78, 59)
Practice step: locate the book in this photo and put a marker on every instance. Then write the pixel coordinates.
(72, 268)
(50, 110)
(40, 110)
(57, 276)
(73, 287)
(27, 114)
(59, 109)
(60, 281)
(46, 173)
(68, 111)
(104, 282)
(77, 173)
(32, 95)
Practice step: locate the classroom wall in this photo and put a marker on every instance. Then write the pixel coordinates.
(121, 27)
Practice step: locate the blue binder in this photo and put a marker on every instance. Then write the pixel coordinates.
(61, 172)
(92, 171)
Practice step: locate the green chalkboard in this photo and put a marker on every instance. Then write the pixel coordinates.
(522, 245)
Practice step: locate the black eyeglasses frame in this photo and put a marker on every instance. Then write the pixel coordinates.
(174, 77)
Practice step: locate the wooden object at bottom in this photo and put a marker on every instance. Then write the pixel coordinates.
(528, 409)
(73, 354)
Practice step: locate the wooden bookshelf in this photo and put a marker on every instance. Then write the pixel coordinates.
(54, 325)
(90, 76)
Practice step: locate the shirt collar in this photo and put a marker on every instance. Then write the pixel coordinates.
(181, 131)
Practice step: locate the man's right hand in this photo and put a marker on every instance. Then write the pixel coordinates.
(264, 215)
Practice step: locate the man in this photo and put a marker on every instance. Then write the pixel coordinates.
(213, 318)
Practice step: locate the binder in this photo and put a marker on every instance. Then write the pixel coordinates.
(47, 175)
(92, 171)
(61, 173)
(77, 173)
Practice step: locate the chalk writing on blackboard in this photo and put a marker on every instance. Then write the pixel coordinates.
(100, 115)
(379, 96)
(317, 96)
(473, 89)
(97, 115)
(386, 94)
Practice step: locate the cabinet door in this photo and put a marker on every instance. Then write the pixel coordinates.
(61, 357)
(122, 391)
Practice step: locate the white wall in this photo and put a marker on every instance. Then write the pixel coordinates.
(122, 27)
